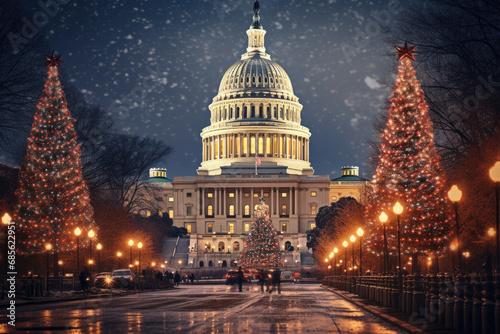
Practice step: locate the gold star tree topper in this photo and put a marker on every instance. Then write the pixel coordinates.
(53, 60)
(406, 52)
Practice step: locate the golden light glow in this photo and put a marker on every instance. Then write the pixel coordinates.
(136, 263)
(491, 231)
(131, 242)
(360, 232)
(326, 260)
(383, 217)
(78, 231)
(454, 194)
(352, 238)
(48, 247)
(453, 247)
(495, 172)
(99, 246)
(139, 245)
(335, 250)
(91, 234)
(331, 255)
(60, 262)
(91, 261)
(153, 264)
(119, 254)
(6, 219)
(345, 243)
(398, 208)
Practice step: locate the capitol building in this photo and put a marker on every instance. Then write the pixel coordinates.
(255, 147)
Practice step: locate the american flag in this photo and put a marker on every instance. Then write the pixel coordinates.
(257, 159)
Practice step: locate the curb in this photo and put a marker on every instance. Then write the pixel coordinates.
(390, 319)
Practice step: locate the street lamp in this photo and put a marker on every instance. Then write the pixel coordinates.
(453, 248)
(495, 176)
(345, 244)
(383, 219)
(99, 247)
(455, 195)
(360, 233)
(77, 233)
(139, 245)
(335, 251)
(119, 255)
(131, 243)
(60, 263)
(398, 210)
(91, 235)
(6, 221)
(353, 238)
(91, 262)
(48, 247)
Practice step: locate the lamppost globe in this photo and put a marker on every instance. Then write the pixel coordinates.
(48, 247)
(78, 231)
(398, 208)
(331, 255)
(6, 219)
(139, 245)
(453, 247)
(335, 250)
(326, 260)
(352, 238)
(360, 232)
(60, 262)
(495, 172)
(454, 194)
(131, 242)
(119, 254)
(99, 246)
(495, 176)
(91, 234)
(491, 232)
(383, 217)
(345, 243)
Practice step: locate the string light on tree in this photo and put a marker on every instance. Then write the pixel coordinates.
(53, 197)
(409, 170)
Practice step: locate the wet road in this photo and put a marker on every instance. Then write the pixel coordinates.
(300, 308)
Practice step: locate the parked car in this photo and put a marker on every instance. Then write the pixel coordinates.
(103, 280)
(123, 278)
(232, 277)
(286, 275)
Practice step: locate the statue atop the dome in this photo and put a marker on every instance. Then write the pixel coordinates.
(256, 8)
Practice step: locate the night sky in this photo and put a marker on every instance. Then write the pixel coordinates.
(156, 65)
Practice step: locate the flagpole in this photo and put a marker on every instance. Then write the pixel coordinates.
(256, 168)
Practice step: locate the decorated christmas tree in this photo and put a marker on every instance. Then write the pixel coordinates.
(53, 198)
(261, 245)
(409, 171)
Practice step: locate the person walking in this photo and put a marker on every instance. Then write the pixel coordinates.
(177, 278)
(262, 280)
(277, 280)
(191, 278)
(240, 279)
(85, 278)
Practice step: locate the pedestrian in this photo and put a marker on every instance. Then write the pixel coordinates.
(177, 278)
(262, 279)
(159, 275)
(191, 278)
(277, 280)
(240, 279)
(85, 278)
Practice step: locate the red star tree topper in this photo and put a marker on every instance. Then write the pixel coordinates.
(261, 249)
(409, 171)
(53, 198)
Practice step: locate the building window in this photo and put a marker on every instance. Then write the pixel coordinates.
(221, 246)
(284, 195)
(188, 194)
(334, 198)
(202, 264)
(255, 195)
(231, 228)
(210, 195)
(283, 227)
(224, 263)
(171, 213)
(231, 210)
(231, 195)
(210, 228)
(313, 194)
(159, 199)
(188, 228)
(266, 195)
(288, 244)
(236, 246)
(314, 209)
(283, 210)
(247, 227)
(312, 225)
(252, 145)
(210, 210)
(247, 210)
(210, 263)
(246, 195)
(189, 210)
(170, 199)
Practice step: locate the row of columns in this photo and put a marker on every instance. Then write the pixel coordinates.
(241, 111)
(234, 145)
(221, 196)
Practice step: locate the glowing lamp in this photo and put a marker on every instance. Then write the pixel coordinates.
(78, 231)
(335, 250)
(454, 194)
(383, 218)
(495, 172)
(48, 247)
(119, 254)
(398, 208)
(139, 245)
(352, 238)
(360, 232)
(331, 255)
(131, 242)
(99, 246)
(6, 219)
(91, 234)
(491, 232)
(345, 243)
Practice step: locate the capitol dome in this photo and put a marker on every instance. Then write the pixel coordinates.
(255, 113)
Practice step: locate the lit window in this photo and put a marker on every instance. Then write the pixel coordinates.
(313, 194)
(283, 227)
(231, 195)
(247, 210)
(313, 225)
(171, 213)
(210, 195)
(261, 146)
(170, 199)
(188, 228)
(231, 210)
(231, 228)
(160, 213)
(247, 227)
(255, 195)
(210, 210)
(210, 228)
(252, 145)
(283, 210)
(246, 195)
(314, 209)
(284, 195)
